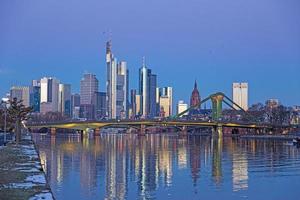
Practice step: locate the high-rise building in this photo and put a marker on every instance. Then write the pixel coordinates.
(122, 90)
(133, 103)
(99, 102)
(111, 82)
(35, 95)
(165, 93)
(87, 111)
(64, 99)
(116, 85)
(49, 93)
(88, 87)
(75, 105)
(164, 104)
(138, 101)
(240, 95)
(21, 93)
(147, 90)
(181, 106)
(152, 95)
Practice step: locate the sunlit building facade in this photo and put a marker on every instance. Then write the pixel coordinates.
(240, 95)
(49, 93)
(64, 99)
(181, 106)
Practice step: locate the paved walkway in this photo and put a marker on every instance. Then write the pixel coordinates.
(21, 174)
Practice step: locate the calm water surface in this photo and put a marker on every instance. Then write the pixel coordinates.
(169, 167)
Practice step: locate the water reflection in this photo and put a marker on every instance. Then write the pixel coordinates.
(160, 166)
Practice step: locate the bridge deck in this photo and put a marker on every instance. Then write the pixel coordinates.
(81, 125)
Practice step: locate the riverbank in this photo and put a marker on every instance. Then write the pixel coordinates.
(21, 173)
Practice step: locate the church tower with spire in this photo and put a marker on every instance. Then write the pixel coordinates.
(195, 97)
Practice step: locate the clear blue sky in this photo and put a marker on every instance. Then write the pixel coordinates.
(216, 42)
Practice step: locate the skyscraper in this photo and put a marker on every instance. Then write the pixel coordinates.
(164, 104)
(99, 102)
(147, 90)
(133, 103)
(122, 90)
(35, 95)
(111, 82)
(75, 105)
(240, 95)
(88, 87)
(21, 93)
(165, 100)
(116, 85)
(64, 99)
(49, 94)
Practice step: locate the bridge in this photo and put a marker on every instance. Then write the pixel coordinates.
(216, 122)
(143, 125)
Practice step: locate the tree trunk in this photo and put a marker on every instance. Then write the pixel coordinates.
(18, 131)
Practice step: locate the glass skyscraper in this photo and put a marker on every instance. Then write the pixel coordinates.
(88, 87)
(147, 90)
(116, 86)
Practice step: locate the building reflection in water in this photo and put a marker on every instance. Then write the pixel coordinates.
(112, 163)
(217, 148)
(239, 166)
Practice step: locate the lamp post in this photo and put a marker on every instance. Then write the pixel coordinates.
(4, 102)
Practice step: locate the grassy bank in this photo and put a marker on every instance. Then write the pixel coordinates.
(21, 174)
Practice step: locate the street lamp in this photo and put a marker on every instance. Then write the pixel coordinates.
(5, 102)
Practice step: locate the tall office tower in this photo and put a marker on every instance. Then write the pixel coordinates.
(138, 101)
(240, 95)
(165, 93)
(35, 95)
(75, 105)
(49, 94)
(99, 102)
(21, 93)
(116, 86)
(64, 99)
(88, 87)
(133, 103)
(147, 90)
(152, 95)
(181, 106)
(122, 90)
(164, 104)
(111, 89)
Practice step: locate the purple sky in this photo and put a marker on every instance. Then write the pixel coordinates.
(216, 42)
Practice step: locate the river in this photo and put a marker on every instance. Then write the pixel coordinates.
(168, 166)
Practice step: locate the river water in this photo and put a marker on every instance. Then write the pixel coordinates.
(169, 166)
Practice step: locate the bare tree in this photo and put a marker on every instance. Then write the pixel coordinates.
(18, 112)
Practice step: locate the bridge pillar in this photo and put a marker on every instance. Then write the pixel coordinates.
(184, 130)
(97, 132)
(217, 106)
(142, 130)
(86, 132)
(53, 131)
(217, 131)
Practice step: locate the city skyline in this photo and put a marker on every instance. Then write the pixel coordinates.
(195, 50)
